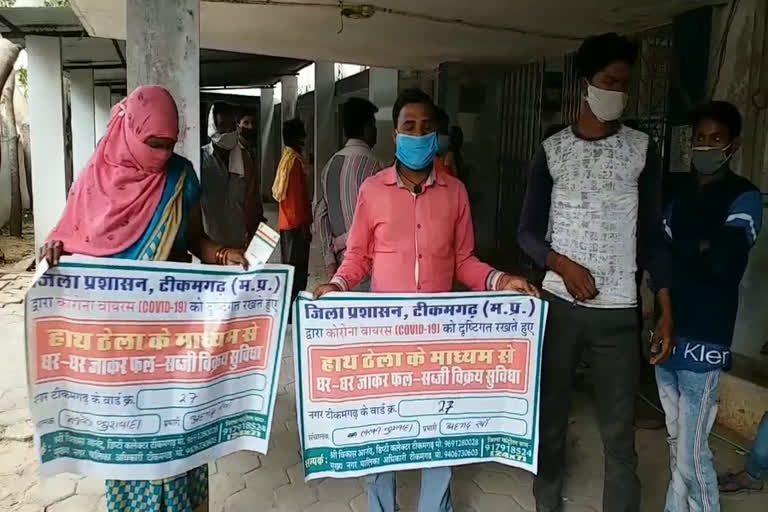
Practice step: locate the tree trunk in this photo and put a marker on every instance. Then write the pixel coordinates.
(9, 146)
(26, 156)
(21, 110)
(8, 55)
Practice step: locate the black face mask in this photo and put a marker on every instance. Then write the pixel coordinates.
(247, 133)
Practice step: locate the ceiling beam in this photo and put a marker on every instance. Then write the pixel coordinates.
(115, 82)
(93, 65)
(119, 51)
(208, 88)
(5, 21)
(13, 34)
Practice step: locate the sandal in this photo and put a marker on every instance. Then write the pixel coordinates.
(738, 483)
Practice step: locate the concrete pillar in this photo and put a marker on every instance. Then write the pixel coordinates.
(268, 164)
(46, 130)
(83, 118)
(382, 92)
(102, 106)
(290, 95)
(325, 119)
(163, 47)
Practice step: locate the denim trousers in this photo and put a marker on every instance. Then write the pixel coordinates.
(757, 462)
(689, 400)
(435, 493)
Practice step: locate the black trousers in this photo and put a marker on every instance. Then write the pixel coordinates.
(611, 336)
(294, 249)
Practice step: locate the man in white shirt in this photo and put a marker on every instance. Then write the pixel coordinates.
(341, 179)
(230, 186)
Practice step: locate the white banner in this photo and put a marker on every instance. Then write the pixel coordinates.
(393, 382)
(143, 370)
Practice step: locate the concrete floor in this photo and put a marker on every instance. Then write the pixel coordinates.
(246, 482)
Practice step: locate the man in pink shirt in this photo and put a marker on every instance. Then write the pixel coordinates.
(412, 231)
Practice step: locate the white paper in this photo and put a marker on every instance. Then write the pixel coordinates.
(262, 245)
(42, 268)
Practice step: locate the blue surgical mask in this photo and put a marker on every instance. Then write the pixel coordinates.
(416, 153)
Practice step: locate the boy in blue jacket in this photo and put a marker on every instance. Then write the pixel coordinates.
(710, 229)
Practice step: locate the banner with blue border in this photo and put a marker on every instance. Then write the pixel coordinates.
(394, 382)
(144, 370)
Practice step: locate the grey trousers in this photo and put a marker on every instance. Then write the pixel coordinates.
(364, 286)
(294, 248)
(611, 335)
(435, 491)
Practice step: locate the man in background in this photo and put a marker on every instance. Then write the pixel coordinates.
(247, 128)
(341, 179)
(295, 217)
(230, 186)
(755, 473)
(444, 160)
(457, 160)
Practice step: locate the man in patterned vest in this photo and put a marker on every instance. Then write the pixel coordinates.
(591, 215)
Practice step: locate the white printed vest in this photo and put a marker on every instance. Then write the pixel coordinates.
(594, 208)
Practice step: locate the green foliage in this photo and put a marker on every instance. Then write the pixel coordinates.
(23, 78)
(7, 3)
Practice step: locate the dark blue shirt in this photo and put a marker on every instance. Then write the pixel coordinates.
(710, 231)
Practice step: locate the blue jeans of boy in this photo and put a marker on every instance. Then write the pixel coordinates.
(757, 462)
(690, 406)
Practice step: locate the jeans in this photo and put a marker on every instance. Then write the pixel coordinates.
(435, 491)
(690, 406)
(757, 463)
(611, 336)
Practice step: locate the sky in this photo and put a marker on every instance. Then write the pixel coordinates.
(306, 81)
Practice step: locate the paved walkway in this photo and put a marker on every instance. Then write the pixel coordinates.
(246, 482)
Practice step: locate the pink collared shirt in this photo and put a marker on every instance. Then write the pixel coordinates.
(413, 243)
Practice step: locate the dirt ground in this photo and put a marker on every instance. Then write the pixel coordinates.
(12, 249)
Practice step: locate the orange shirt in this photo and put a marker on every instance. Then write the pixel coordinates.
(295, 209)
